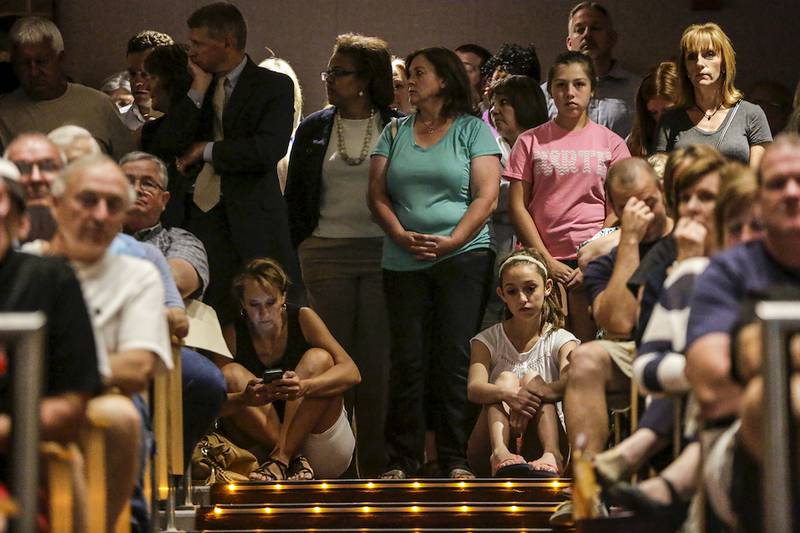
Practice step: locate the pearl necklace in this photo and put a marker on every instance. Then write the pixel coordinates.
(340, 140)
(709, 115)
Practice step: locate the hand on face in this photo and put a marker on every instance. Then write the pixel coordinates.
(201, 80)
(690, 236)
(636, 218)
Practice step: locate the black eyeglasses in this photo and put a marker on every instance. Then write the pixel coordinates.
(334, 73)
(145, 184)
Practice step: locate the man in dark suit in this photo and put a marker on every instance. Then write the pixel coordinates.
(245, 116)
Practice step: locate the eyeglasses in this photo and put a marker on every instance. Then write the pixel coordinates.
(44, 165)
(334, 73)
(145, 184)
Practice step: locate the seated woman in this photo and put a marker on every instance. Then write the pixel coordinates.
(527, 347)
(298, 417)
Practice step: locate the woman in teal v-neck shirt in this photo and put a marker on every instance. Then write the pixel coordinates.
(434, 181)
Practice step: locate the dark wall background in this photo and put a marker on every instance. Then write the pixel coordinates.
(764, 34)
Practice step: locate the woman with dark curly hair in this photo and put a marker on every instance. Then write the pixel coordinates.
(169, 82)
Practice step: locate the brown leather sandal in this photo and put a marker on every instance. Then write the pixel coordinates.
(270, 470)
(300, 469)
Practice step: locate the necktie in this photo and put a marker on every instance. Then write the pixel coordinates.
(207, 185)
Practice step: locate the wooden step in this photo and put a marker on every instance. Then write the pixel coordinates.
(391, 491)
(378, 516)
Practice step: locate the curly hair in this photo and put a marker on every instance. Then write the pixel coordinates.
(515, 59)
(147, 39)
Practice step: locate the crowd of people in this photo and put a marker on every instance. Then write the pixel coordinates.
(454, 268)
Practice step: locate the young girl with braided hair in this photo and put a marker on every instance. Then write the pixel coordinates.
(514, 372)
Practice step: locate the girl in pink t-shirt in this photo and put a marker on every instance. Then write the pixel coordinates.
(557, 172)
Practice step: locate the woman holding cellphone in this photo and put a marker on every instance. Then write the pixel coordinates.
(297, 418)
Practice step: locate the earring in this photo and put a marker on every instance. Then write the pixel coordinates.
(242, 313)
(283, 306)
(360, 93)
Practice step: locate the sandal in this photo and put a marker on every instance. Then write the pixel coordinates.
(460, 474)
(300, 469)
(394, 473)
(514, 466)
(270, 470)
(542, 468)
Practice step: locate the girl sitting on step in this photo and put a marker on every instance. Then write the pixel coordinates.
(510, 363)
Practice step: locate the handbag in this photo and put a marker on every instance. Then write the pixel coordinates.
(216, 459)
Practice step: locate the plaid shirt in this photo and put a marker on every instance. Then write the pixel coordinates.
(177, 243)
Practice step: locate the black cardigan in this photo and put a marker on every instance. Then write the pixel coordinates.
(304, 177)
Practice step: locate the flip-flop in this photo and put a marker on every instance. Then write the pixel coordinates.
(514, 466)
(544, 469)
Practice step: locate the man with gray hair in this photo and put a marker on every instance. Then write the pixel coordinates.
(39, 161)
(185, 254)
(591, 32)
(46, 100)
(124, 296)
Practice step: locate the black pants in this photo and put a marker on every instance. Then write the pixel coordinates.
(433, 314)
(229, 247)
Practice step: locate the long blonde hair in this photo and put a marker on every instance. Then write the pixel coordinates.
(551, 310)
(708, 36)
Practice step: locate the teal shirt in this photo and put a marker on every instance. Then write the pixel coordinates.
(430, 187)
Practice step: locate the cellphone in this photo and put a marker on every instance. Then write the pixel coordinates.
(271, 375)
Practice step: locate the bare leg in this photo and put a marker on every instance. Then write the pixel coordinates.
(682, 473)
(122, 424)
(497, 418)
(591, 373)
(307, 415)
(546, 424)
(260, 424)
(628, 456)
(478, 447)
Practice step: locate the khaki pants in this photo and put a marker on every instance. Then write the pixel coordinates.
(343, 279)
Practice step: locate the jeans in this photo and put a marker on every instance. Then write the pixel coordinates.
(433, 314)
(204, 394)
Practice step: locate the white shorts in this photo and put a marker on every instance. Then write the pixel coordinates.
(331, 451)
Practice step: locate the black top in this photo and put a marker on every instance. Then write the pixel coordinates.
(296, 344)
(651, 274)
(598, 273)
(30, 283)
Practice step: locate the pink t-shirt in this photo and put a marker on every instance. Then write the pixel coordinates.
(567, 170)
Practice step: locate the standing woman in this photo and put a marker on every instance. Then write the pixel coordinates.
(710, 109)
(557, 171)
(338, 244)
(657, 93)
(169, 81)
(517, 104)
(433, 185)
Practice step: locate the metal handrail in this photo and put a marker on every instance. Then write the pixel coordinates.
(26, 333)
(779, 473)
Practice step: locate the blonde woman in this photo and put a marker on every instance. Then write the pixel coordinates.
(710, 109)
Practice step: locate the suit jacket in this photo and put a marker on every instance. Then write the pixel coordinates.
(304, 179)
(257, 124)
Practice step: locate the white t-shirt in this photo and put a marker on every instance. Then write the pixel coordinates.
(125, 299)
(541, 359)
(343, 211)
